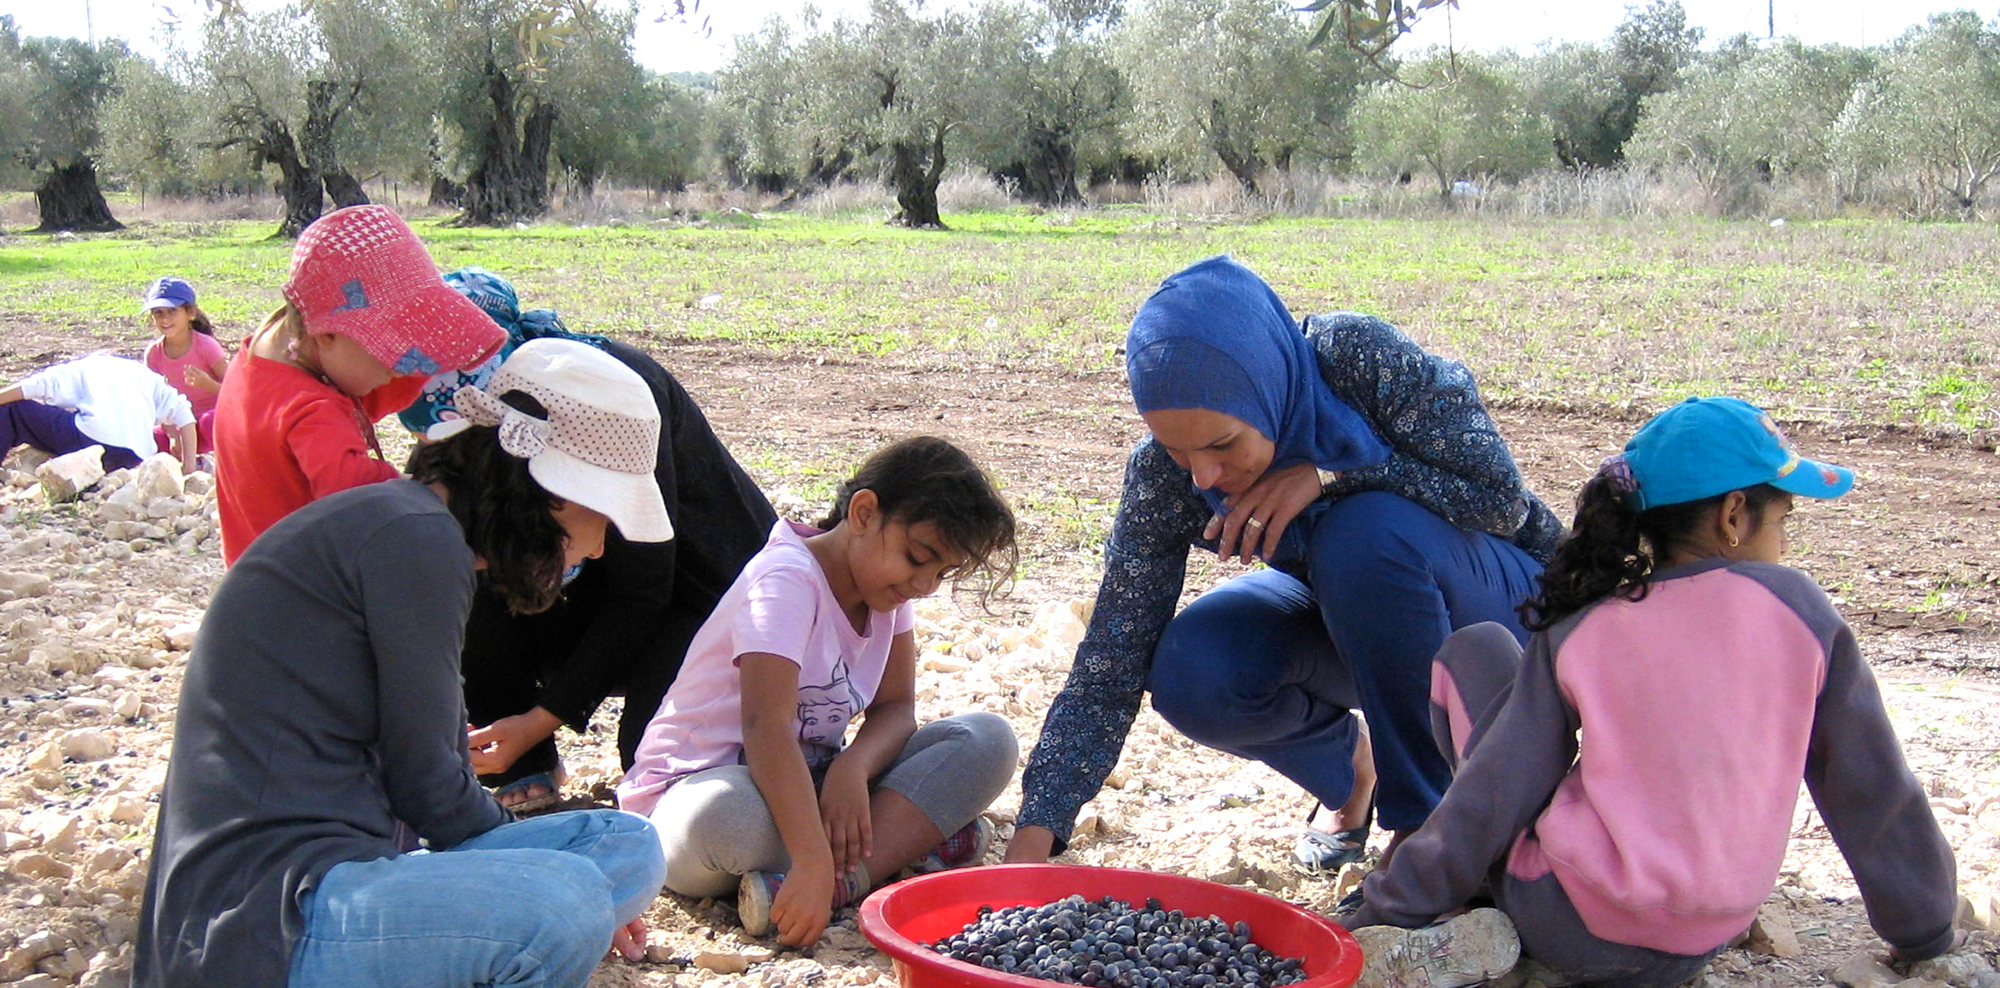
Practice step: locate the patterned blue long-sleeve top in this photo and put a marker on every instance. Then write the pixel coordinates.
(1446, 454)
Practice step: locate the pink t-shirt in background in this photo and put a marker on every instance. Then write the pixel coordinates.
(202, 353)
(782, 605)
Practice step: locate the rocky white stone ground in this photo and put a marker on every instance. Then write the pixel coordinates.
(100, 597)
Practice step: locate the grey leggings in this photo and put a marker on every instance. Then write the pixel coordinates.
(715, 826)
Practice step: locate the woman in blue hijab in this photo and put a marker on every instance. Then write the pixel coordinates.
(1369, 478)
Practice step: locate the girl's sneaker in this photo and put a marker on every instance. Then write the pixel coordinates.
(1467, 950)
(753, 900)
(758, 889)
(965, 846)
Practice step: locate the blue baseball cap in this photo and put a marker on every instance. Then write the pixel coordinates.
(1703, 447)
(167, 293)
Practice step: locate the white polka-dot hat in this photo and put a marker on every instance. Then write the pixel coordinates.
(601, 438)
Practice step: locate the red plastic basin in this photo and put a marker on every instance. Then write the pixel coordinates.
(901, 918)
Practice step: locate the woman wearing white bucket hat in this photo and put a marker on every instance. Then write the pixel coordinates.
(321, 723)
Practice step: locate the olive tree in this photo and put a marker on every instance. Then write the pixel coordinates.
(1930, 124)
(1233, 82)
(149, 134)
(1467, 118)
(52, 91)
(309, 90)
(1058, 98)
(1749, 117)
(514, 76)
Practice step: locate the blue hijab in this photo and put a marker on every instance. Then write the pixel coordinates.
(495, 296)
(1216, 337)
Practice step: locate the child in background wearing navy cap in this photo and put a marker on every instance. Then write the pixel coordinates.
(1705, 680)
(186, 354)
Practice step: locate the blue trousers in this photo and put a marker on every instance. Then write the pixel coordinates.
(528, 903)
(53, 430)
(1269, 666)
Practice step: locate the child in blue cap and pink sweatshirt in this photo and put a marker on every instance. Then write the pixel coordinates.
(1624, 788)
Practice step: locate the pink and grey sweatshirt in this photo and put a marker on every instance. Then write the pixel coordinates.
(1700, 708)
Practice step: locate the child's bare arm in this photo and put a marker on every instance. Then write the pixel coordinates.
(885, 728)
(771, 750)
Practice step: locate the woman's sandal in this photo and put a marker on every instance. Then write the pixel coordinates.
(1322, 852)
(522, 797)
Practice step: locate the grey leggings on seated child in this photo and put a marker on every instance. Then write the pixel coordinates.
(715, 826)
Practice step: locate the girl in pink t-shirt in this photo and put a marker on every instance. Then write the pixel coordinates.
(186, 354)
(746, 770)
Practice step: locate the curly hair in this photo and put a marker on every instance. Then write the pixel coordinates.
(926, 479)
(508, 518)
(1611, 550)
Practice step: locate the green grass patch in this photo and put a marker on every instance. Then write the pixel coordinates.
(1856, 321)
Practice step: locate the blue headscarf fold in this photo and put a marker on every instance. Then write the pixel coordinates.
(1216, 337)
(495, 296)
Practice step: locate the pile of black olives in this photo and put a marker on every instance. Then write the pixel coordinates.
(1109, 943)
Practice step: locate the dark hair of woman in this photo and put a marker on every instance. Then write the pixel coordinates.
(506, 515)
(926, 479)
(199, 321)
(1611, 549)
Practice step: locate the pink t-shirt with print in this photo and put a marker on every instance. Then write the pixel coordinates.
(781, 605)
(204, 352)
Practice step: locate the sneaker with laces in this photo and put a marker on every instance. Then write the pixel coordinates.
(965, 846)
(1476, 947)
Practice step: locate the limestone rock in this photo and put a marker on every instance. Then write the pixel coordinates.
(180, 637)
(16, 586)
(1979, 911)
(159, 476)
(721, 962)
(1957, 968)
(46, 757)
(1864, 971)
(1218, 862)
(69, 475)
(1772, 932)
(87, 744)
(125, 807)
(1350, 877)
(37, 865)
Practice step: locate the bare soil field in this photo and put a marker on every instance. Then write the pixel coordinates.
(95, 617)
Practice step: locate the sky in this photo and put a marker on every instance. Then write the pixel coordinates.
(1480, 24)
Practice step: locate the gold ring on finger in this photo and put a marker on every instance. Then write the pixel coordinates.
(1254, 523)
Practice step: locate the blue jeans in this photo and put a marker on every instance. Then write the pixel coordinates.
(1267, 666)
(527, 903)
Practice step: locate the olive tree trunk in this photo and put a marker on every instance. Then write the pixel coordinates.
(68, 199)
(511, 181)
(916, 175)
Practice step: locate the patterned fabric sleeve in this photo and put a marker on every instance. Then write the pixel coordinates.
(1160, 516)
(1448, 455)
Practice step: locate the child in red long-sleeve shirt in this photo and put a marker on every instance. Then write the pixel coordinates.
(366, 320)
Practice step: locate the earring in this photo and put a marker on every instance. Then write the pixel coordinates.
(1732, 541)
